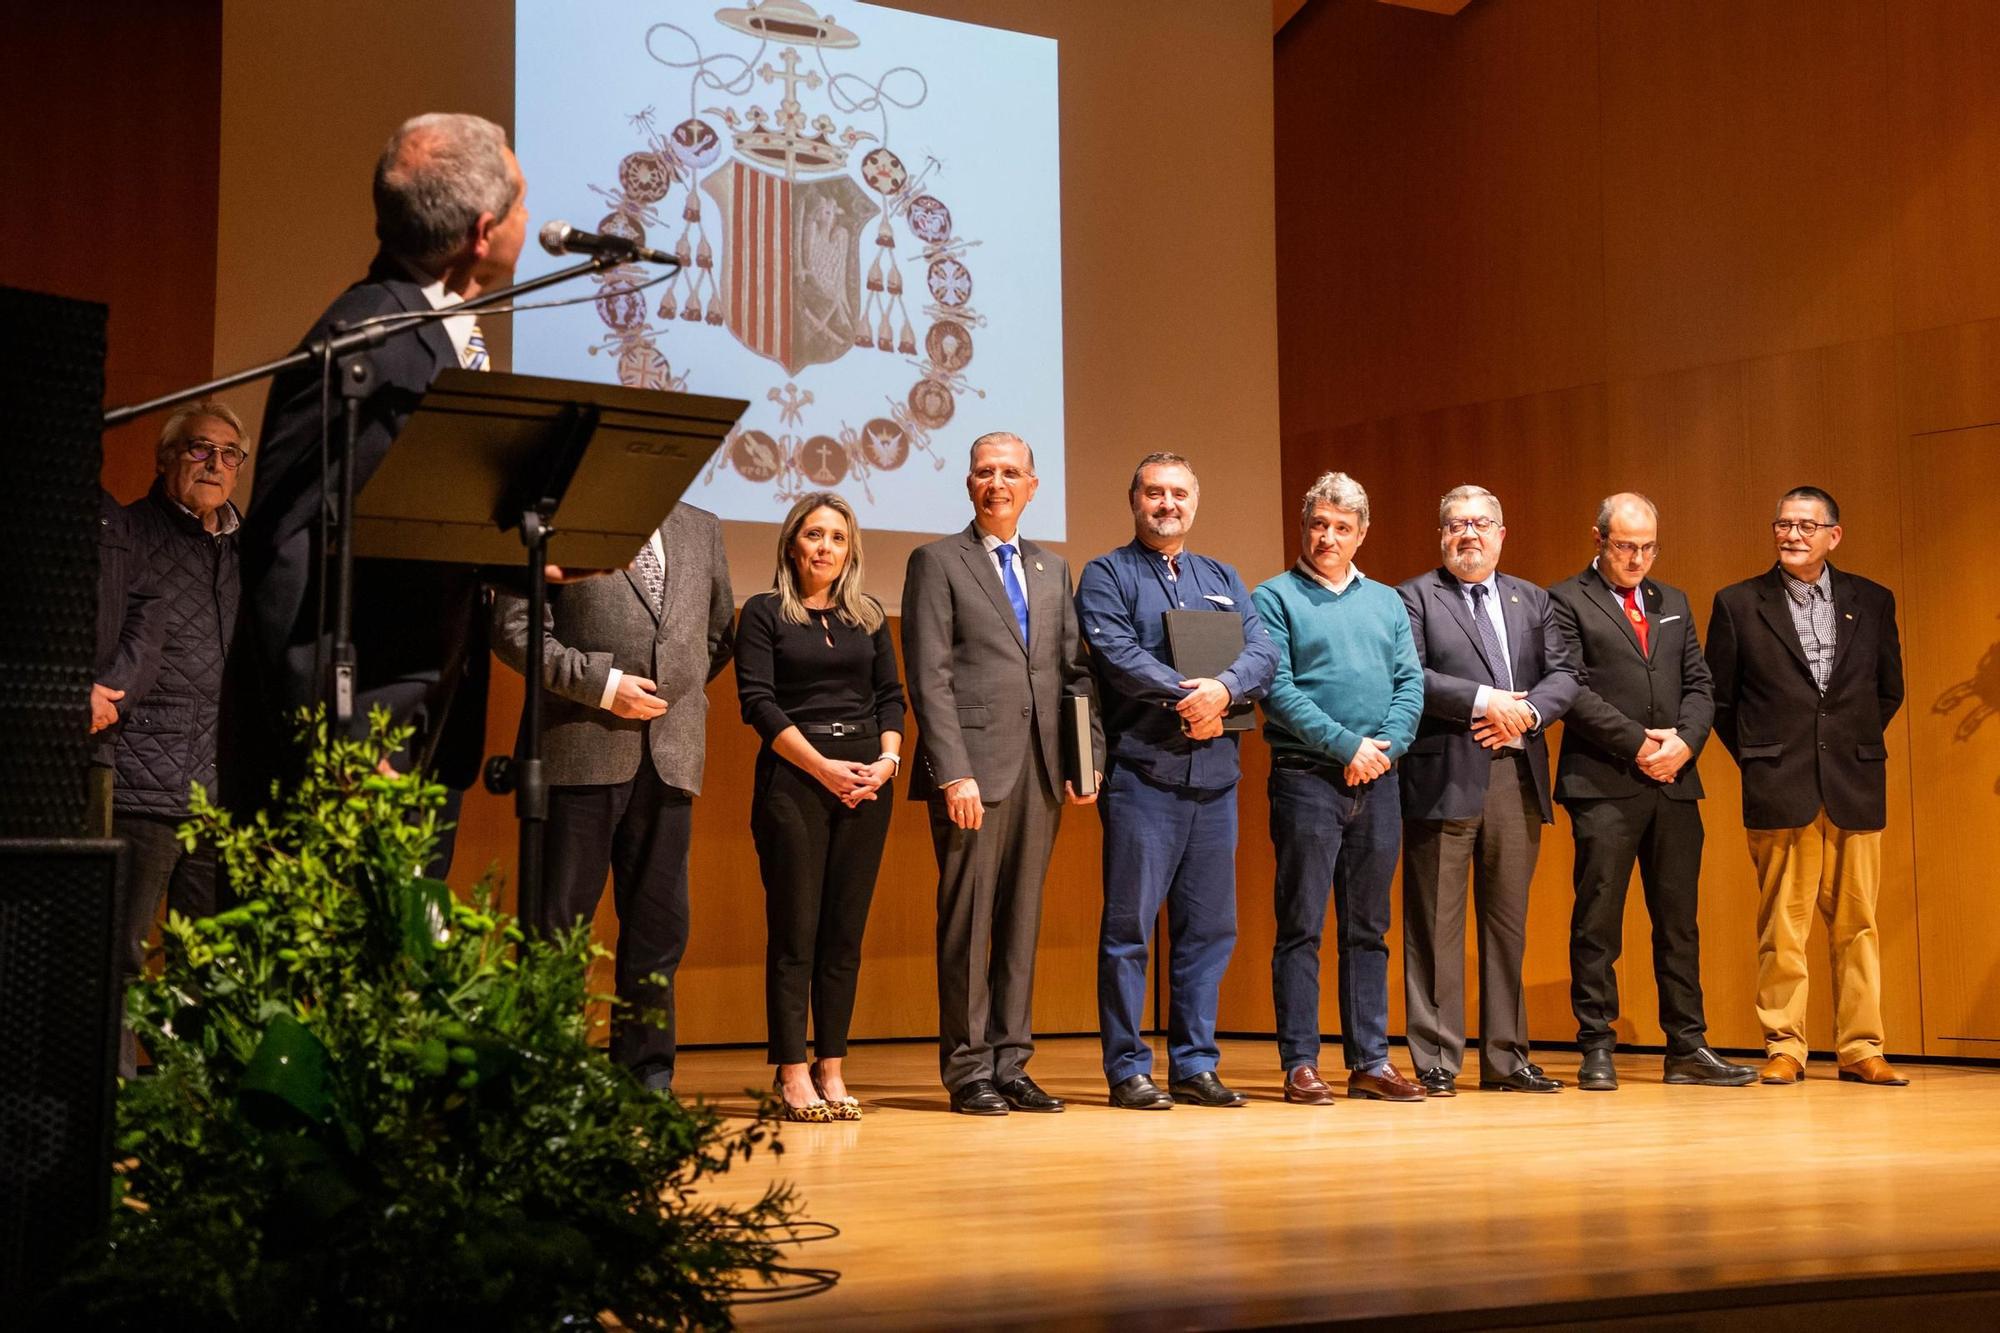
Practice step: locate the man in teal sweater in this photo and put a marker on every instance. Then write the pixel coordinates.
(1343, 708)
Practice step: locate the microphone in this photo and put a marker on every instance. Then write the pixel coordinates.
(559, 238)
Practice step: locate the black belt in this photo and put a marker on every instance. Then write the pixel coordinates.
(840, 729)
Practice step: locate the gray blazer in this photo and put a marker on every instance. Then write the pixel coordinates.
(607, 622)
(982, 696)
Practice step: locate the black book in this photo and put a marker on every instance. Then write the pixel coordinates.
(1079, 760)
(1207, 643)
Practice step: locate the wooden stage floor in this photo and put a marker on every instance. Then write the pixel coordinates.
(1279, 1214)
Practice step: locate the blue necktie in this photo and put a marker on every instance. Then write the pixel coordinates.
(1489, 642)
(1005, 551)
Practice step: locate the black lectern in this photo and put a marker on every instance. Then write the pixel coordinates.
(477, 477)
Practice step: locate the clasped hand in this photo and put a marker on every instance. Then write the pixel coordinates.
(1203, 708)
(853, 783)
(1371, 761)
(1508, 718)
(1662, 754)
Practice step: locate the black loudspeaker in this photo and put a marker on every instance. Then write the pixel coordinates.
(52, 399)
(61, 1001)
(60, 992)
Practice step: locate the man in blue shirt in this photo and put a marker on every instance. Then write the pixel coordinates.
(1343, 708)
(1169, 796)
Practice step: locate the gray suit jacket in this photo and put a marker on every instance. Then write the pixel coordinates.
(607, 622)
(982, 696)
(1444, 774)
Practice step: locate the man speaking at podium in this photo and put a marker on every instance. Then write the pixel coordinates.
(450, 214)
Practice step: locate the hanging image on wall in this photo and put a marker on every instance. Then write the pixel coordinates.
(866, 211)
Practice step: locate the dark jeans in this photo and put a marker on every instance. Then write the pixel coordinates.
(1333, 839)
(1175, 845)
(818, 860)
(1664, 837)
(156, 865)
(638, 831)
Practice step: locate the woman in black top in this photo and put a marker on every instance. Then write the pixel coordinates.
(816, 676)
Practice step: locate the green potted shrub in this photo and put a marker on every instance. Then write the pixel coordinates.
(377, 1106)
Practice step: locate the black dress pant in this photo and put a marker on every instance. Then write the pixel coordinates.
(637, 830)
(1664, 836)
(157, 865)
(818, 859)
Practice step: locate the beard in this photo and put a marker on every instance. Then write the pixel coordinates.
(1470, 565)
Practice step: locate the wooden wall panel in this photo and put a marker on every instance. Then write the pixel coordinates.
(1450, 171)
(1953, 715)
(1945, 119)
(107, 189)
(1798, 234)
(1747, 195)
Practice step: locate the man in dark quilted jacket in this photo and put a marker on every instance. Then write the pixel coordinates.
(183, 534)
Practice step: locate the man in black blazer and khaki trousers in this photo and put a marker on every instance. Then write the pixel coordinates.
(1808, 673)
(1627, 777)
(990, 648)
(1475, 787)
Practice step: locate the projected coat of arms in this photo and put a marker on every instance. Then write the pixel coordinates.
(808, 193)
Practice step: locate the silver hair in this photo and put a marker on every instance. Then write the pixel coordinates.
(175, 432)
(999, 437)
(1458, 493)
(1336, 489)
(1161, 459)
(436, 175)
(1606, 505)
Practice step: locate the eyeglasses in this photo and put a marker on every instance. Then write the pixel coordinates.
(1806, 527)
(1458, 527)
(1630, 549)
(226, 454)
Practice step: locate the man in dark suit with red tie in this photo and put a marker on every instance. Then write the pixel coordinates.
(1627, 777)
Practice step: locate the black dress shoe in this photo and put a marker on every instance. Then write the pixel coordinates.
(1438, 1081)
(1598, 1074)
(1205, 1089)
(1140, 1093)
(979, 1097)
(1528, 1078)
(1705, 1067)
(1023, 1094)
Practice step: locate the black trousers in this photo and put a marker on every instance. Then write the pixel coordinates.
(156, 865)
(638, 831)
(1664, 836)
(818, 860)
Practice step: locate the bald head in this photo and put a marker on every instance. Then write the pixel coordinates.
(1627, 533)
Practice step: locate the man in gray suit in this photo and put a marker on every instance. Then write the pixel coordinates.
(624, 713)
(990, 646)
(1475, 784)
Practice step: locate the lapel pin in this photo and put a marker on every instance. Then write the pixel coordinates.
(1038, 566)
(1850, 615)
(1515, 597)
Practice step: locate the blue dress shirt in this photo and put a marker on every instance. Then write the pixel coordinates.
(1120, 599)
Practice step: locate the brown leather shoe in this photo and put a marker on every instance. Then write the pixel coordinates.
(1781, 1068)
(1305, 1087)
(1386, 1085)
(1873, 1069)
